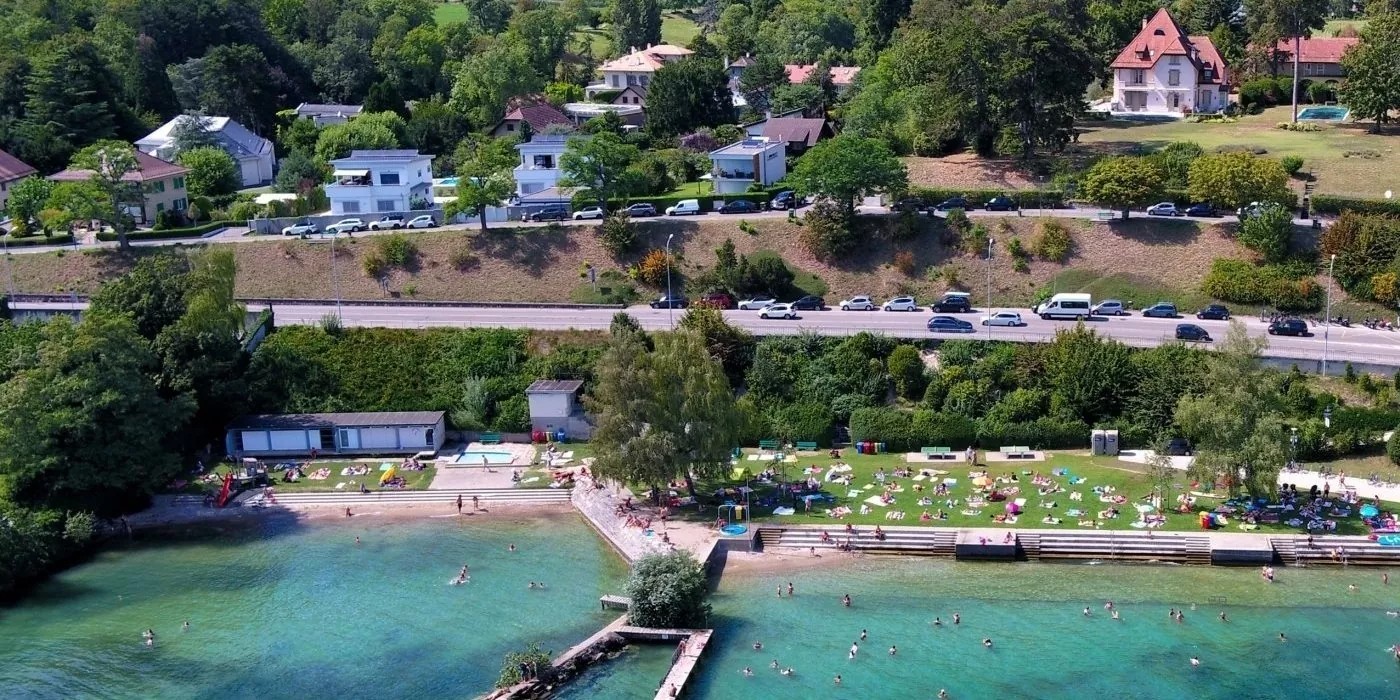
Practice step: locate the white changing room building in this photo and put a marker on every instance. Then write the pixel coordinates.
(297, 434)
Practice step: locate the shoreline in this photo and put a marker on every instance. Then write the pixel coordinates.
(158, 517)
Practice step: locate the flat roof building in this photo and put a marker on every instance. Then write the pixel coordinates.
(298, 434)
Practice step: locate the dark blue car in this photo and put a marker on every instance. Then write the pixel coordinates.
(948, 324)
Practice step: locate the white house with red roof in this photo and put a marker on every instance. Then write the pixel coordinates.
(636, 68)
(1165, 72)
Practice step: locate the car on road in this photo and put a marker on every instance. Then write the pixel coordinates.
(589, 213)
(1178, 447)
(757, 303)
(858, 303)
(346, 226)
(1163, 209)
(676, 301)
(738, 206)
(1191, 331)
(913, 204)
(391, 222)
(953, 303)
(1161, 309)
(1109, 307)
(639, 210)
(1003, 318)
(778, 311)
(550, 212)
(717, 300)
(1201, 209)
(948, 324)
(787, 199)
(1251, 209)
(424, 221)
(1214, 312)
(953, 203)
(1289, 326)
(305, 228)
(811, 302)
(1001, 204)
(685, 207)
(901, 304)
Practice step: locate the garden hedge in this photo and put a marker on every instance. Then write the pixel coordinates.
(1330, 204)
(27, 241)
(1052, 199)
(707, 201)
(1279, 286)
(166, 234)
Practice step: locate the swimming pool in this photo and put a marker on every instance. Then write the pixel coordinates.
(471, 457)
(1331, 113)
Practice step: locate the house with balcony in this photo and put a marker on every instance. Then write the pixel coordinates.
(325, 115)
(162, 186)
(539, 163)
(636, 68)
(751, 161)
(1165, 72)
(1319, 58)
(12, 170)
(369, 182)
(254, 154)
(798, 133)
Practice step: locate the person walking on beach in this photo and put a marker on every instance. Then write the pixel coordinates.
(475, 503)
(459, 504)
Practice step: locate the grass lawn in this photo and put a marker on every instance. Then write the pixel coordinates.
(1324, 152)
(698, 188)
(1336, 25)
(417, 480)
(1141, 291)
(676, 29)
(1127, 479)
(450, 13)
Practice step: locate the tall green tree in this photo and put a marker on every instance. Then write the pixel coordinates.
(759, 80)
(732, 346)
(1086, 374)
(1236, 179)
(483, 178)
(109, 163)
(1372, 87)
(687, 94)
(27, 199)
(234, 81)
(488, 79)
(1044, 66)
(1269, 232)
(668, 591)
(70, 102)
(847, 168)
(1123, 182)
(1270, 21)
(636, 24)
(599, 166)
(192, 131)
(662, 414)
(213, 173)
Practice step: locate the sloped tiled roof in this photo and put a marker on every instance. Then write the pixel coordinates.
(840, 75)
(233, 137)
(794, 130)
(535, 111)
(646, 60)
(1317, 49)
(150, 168)
(12, 168)
(1162, 36)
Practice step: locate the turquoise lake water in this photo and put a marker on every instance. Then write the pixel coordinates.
(279, 609)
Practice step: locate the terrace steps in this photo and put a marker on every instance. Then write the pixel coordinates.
(1286, 549)
(1339, 551)
(1096, 544)
(1030, 545)
(1198, 550)
(897, 540)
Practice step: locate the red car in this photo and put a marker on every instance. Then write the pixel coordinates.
(718, 300)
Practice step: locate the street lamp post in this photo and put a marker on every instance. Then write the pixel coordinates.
(1293, 441)
(1327, 317)
(990, 243)
(670, 300)
(335, 282)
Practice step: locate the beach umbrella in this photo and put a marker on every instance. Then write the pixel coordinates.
(982, 481)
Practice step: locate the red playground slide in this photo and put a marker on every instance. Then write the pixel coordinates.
(227, 491)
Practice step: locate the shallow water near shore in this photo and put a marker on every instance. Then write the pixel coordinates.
(281, 608)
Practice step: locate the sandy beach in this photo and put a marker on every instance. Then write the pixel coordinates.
(165, 515)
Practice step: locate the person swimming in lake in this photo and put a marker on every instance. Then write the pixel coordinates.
(942, 694)
(511, 548)
(787, 671)
(748, 672)
(846, 600)
(1282, 638)
(1114, 615)
(1195, 661)
(758, 646)
(937, 622)
(789, 589)
(957, 619)
(837, 680)
(855, 649)
(987, 642)
(893, 650)
(863, 635)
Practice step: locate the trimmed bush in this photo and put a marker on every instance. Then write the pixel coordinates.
(1291, 164)
(1041, 433)
(1284, 287)
(188, 232)
(1331, 204)
(885, 425)
(806, 422)
(1052, 241)
(27, 241)
(939, 429)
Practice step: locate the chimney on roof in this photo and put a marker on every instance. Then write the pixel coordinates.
(1144, 23)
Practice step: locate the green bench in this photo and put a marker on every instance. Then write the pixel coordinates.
(490, 438)
(767, 444)
(1017, 452)
(806, 447)
(1105, 216)
(938, 453)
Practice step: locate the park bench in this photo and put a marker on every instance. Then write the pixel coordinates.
(767, 444)
(490, 438)
(1105, 216)
(807, 446)
(938, 453)
(1017, 452)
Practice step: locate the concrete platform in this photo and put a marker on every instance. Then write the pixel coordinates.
(1227, 548)
(985, 544)
(1034, 456)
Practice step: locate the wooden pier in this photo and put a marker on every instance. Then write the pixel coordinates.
(690, 646)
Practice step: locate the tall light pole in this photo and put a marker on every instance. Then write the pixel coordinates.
(335, 281)
(990, 242)
(1327, 317)
(671, 300)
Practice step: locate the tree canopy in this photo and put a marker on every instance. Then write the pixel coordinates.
(847, 168)
(687, 94)
(668, 591)
(1233, 180)
(1372, 87)
(1123, 183)
(598, 165)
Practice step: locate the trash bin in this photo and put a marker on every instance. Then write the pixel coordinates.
(1096, 442)
(559, 436)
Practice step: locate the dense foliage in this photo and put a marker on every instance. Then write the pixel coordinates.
(668, 591)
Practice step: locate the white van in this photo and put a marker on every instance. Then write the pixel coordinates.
(683, 207)
(1065, 306)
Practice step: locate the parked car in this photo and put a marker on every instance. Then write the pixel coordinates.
(901, 304)
(390, 222)
(346, 226)
(676, 301)
(953, 303)
(639, 210)
(1003, 318)
(948, 324)
(685, 207)
(1163, 209)
(717, 300)
(1178, 447)
(550, 212)
(1289, 326)
(1161, 309)
(858, 303)
(913, 204)
(1109, 307)
(778, 311)
(757, 303)
(589, 213)
(953, 203)
(1001, 204)
(305, 228)
(810, 302)
(1251, 209)
(1214, 312)
(1074, 305)
(1201, 209)
(787, 199)
(738, 206)
(1191, 331)
(424, 221)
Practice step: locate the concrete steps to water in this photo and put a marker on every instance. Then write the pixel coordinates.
(1286, 550)
(897, 540)
(1198, 550)
(446, 498)
(1110, 545)
(1030, 545)
(1339, 551)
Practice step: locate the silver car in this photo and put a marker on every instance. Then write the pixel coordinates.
(858, 303)
(901, 304)
(1109, 307)
(757, 303)
(1003, 318)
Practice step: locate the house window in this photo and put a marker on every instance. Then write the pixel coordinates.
(350, 207)
(388, 178)
(160, 186)
(510, 126)
(180, 205)
(613, 80)
(545, 161)
(1137, 77)
(385, 205)
(1173, 77)
(179, 183)
(1174, 61)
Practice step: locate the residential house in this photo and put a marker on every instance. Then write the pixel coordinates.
(325, 115)
(635, 95)
(254, 154)
(636, 68)
(162, 186)
(738, 165)
(798, 133)
(842, 77)
(381, 181)
(12, 170)
(530, 109)
(1164, 72)
(539, 163)
(1319, 58)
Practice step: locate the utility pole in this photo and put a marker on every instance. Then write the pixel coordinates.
(1327, 318)
(990, 242)
(670, 299)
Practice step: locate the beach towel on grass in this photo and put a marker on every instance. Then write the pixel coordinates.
(875, 501)
(919, 477)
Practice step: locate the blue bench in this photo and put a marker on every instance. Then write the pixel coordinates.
(490, 438)
(807, 446)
